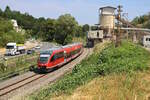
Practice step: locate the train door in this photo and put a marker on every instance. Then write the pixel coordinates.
(53, 60)
(59, 58)
(65, 56)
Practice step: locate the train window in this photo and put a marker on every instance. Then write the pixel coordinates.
(60, 55)
(147, 39)
(44, 59)
(68, 55)
(97, 34)
(53, 58)
(57, 56)
(73, 52)
(78, 50)
(65, 54)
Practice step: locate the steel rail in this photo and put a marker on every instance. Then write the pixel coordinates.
(17, 82)
(22, 85)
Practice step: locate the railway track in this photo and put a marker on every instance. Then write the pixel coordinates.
(25, 81)
(16, 85)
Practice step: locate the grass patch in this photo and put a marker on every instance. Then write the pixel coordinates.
(114, 87)
(125, 59)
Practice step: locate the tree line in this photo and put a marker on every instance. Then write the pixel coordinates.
(142, 21)
(61, 30)
(8, 34)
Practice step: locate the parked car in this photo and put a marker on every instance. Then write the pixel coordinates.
(30, 51)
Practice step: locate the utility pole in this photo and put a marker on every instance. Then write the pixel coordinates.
(118, 34)
(126, 17)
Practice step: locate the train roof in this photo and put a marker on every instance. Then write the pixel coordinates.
(59, 47)
(70, 45)
(11, 43)
(51, 49)
(55, 48)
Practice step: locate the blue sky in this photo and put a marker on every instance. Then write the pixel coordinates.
(85, 11)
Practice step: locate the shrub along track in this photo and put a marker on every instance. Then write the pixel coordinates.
(35, 81)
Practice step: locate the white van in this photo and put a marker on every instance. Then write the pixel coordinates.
(14, 49)
(146, 41)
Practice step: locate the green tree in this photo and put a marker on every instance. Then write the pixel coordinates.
(86, 28)
(135, 21)
(142, 21)
(8, 34)
(1, 12)
(79, 31)
(49, 29)
(7, 12)
(147, 24)
(62, 30)
(5, 25)
(66, 25)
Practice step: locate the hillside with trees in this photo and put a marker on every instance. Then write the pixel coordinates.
(142, 21)
(8, 34)
(60, 30)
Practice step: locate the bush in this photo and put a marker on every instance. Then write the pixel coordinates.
(2, 67)
(11, 36)
(126, 58)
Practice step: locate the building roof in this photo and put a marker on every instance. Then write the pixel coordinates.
(70, 45)
(11, 43)
(107, 7)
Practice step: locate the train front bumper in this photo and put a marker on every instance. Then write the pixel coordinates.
(42, 66)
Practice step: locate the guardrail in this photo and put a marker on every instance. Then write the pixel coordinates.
(7, 68)
(16, 73)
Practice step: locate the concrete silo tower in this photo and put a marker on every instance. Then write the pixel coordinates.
(107, 19)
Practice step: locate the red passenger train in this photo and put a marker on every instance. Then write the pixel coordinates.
(58, 56)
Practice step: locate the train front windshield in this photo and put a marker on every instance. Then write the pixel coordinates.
(44, 56)
(44, 59)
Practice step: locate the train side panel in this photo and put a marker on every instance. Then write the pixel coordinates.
(56, 59)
